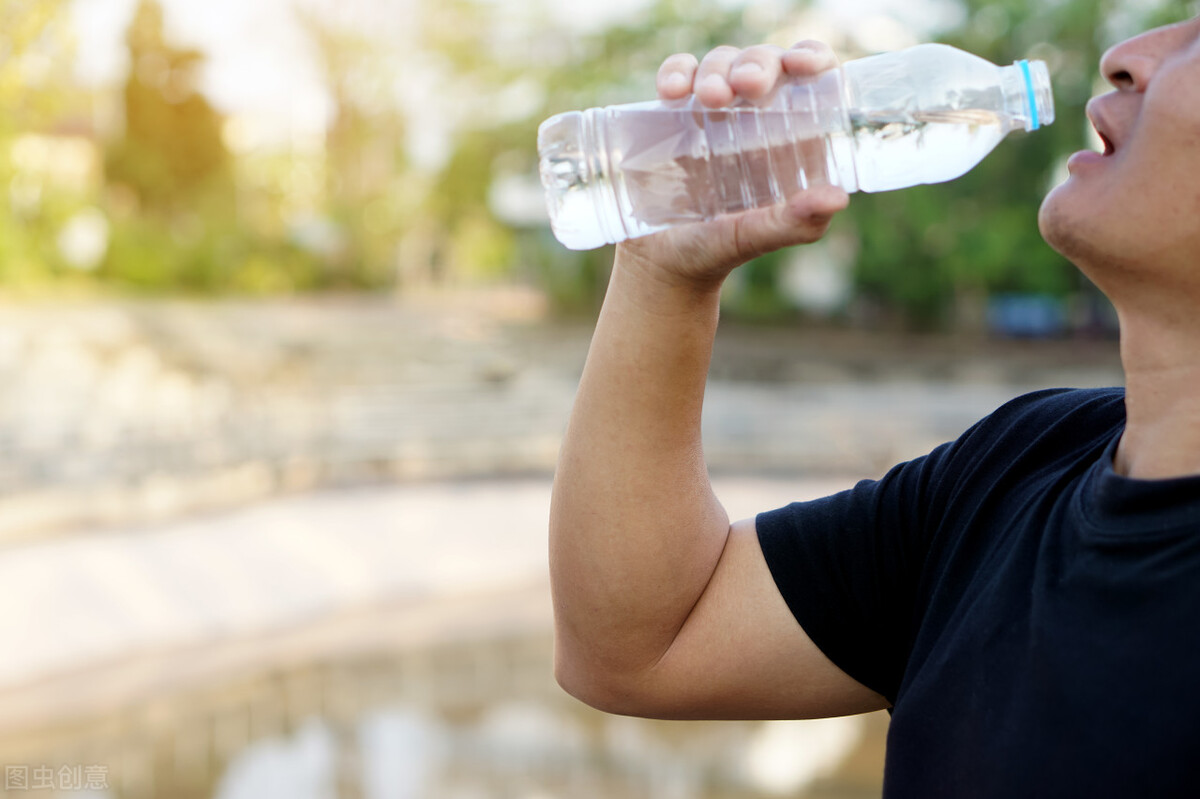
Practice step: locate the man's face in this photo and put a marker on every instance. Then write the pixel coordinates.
(1137, 204)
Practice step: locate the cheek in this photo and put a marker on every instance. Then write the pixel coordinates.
(1161, 176)
(1170, 118)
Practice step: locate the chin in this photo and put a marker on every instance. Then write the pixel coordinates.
(1057, 224)
(1074, 236)
(1092, 243)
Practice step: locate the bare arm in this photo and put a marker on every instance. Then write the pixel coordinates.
(662, 607)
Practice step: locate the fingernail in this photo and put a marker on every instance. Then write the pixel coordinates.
(714, 82)
(676, 82)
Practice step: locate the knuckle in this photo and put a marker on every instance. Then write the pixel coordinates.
(679, 62)
(802, 58)
(744, 244)
(812, 45)
(724, 52)
(761, 53)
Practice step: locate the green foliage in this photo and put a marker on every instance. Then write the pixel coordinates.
(573, 281)
(187, 214)
(753, 292)
(144, 256)
(571, 69)
(920, 248)
(364, 153)
(34, 54)
(923, 247)
(171, 154)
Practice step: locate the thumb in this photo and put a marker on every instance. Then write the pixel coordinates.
(803, 219)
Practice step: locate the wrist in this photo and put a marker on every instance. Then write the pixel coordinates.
(663, 290)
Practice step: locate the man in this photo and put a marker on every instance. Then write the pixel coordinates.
(1025, 600)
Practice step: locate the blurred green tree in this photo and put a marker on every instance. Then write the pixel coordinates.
(366, 164)
(931, 251)
(32, 45)
(170, 187)
(185, 213)
(172, 191)
(36, 96)
(928, 257)
(171, 154)
(492, 54)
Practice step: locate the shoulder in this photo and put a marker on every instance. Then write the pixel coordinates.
(851, 566)
(1063, 404)
(1056, 420)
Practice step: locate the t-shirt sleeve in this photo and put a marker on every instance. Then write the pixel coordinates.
(849, 565)
(857, 568)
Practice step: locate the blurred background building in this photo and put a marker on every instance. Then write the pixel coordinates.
(286, 349)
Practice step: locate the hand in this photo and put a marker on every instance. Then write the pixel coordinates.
(704, 254)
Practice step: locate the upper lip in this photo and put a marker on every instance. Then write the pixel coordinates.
(1096, 116)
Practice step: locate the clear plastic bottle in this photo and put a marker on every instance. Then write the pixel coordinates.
(922, 115)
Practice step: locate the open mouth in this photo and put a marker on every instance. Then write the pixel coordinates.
(1096, 115)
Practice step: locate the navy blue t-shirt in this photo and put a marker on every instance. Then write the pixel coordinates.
(1033, 617)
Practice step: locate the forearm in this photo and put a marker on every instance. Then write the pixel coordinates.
(635, 530)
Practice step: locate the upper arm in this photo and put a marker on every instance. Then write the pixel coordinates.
(742, 654)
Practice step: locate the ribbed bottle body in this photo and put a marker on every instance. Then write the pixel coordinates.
(922, 115)
(629, 170)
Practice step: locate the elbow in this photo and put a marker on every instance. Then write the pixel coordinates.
(579, 675)
(603, 688)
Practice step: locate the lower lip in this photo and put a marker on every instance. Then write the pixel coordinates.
(1084, 158)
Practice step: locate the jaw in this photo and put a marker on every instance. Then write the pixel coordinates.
(1068, 223)
(1140, 250)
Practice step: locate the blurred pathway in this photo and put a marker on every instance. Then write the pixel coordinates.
(72, 606)
(141, 412)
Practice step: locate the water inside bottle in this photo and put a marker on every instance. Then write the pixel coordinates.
(678, 166)
(673, 166)
(895, 151)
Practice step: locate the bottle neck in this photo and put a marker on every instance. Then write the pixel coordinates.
(1027, 94)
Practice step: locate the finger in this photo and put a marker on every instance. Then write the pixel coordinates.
(808, 58)
(815, 207)
(755, 72)
(803, 219)
(712, 77)
(675, 76)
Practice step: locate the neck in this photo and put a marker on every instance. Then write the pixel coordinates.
(1161, 357)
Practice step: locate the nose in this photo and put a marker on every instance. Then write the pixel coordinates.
(1130, 64)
